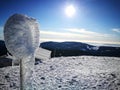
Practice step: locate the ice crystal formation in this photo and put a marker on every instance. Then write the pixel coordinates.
(21, 34)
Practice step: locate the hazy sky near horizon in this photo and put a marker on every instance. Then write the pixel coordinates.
(93, 20)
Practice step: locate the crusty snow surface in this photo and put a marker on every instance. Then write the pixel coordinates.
(68, 73)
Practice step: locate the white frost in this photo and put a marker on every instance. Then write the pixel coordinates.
(21, 34)
(71, 73)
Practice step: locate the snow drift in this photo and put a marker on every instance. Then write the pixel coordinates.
(69, 73)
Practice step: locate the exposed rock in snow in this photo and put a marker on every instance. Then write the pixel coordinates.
(69, 73)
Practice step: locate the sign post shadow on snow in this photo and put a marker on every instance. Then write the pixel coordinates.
(21, 34)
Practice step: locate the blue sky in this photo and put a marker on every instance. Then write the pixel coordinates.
(96, 21)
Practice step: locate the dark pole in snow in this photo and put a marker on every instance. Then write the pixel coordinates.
(21, 83)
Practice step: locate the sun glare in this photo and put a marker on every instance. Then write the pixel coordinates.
(70, 10)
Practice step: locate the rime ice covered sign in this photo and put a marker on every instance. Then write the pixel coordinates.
(21, 34)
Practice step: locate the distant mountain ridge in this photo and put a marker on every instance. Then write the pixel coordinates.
(72, 49)
(78, 48)
(3, 49)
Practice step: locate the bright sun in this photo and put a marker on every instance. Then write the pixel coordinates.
(70, 10)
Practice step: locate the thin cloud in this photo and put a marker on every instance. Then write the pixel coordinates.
(1, 27)
(87, 32)
(77, 35)
(1, 32)
(61, 36)
(64, 34)
(116, 30)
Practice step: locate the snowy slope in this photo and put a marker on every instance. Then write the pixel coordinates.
(69, 73)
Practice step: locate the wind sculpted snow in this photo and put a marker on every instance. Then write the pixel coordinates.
(70, 73)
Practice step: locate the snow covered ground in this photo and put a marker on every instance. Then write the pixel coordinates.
(68, 73)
